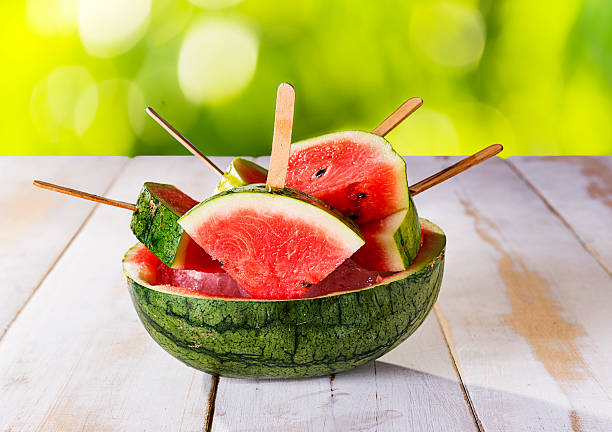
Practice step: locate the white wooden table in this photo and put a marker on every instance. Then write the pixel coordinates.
(521, 337)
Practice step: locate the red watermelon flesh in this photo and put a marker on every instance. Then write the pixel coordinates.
(152, 270)
(391, 243)
(189, 256)
(348, 276)
(275, 245)
(355, 172)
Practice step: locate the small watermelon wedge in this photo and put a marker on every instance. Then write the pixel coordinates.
(155, 224)
(275, 244)
(391, 243)
(241, 172)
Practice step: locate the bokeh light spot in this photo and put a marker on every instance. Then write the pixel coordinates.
(428, 132)
(52, 17)
(64, 102)
(214, 4)
(111, 27)
(217, 60)
(449, 34)
(136, 108)
(85, 109)
(111, 128)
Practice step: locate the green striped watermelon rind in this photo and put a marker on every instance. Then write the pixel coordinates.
(408, 235)
(155, 224)
(293, 338)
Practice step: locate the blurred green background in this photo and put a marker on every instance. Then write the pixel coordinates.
(77, 74)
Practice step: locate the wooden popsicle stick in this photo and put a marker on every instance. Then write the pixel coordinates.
(398, 116)
(281, 142)
(84, 195)
(455, 169)
(184, 141)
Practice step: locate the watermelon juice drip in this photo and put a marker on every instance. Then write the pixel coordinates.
(348, 276)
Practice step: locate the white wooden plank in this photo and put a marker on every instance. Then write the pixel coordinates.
(414, 387)
(528, 308)
(579, 188)
(77, 358)
(36, 225)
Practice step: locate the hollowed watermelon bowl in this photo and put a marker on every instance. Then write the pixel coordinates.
(306, 337)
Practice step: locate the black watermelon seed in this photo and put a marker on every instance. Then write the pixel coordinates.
(320, 172)
(221, 263)
(361, 195)
(354, 217)
(306, 284)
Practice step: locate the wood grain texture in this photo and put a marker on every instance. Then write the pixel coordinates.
(398, 116)
(579, 188)
(36, 225)
(527, 306)
(77, 358)
(84, 195)
(281, 140)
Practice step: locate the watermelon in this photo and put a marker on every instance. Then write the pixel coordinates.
(327, 334)
(239, 173)
(390, 243)
(155, 224)
(275, 244)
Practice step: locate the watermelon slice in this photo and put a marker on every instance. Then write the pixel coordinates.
(239, 173)
(355, 172)
(391, 243)
(274, 244)
(155, 224)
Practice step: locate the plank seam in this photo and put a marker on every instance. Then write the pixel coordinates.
(59, 256)
(212, 397)
(443, 323)
(548, 204)
(60, 394)
(186, 400)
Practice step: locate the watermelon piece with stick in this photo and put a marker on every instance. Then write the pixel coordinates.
(154, 223)
(274, 241)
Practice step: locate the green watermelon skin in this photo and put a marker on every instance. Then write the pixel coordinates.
(293, 338)
(155, 223)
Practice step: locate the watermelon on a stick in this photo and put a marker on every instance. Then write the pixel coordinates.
(274, 241)
(154, 223)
